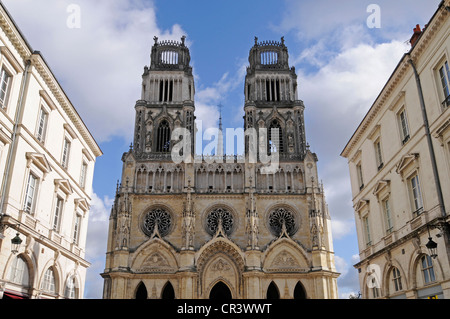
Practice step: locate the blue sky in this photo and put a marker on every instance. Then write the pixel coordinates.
(341, 61)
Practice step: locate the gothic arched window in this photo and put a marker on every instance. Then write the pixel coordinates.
(163, 137)
(275, 141)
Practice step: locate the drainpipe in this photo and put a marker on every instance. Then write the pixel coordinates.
(430, 142)
(444, 227)
(20, 103)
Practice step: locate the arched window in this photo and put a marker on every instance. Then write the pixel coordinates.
(163, 137)
(427, 269)
(275, 138)
(397, 279)
(168, 292)
(71, 290)
(141, 292)
(19, 273)
(299, 291)
(272, 291)
(48, 283)
(220, 291)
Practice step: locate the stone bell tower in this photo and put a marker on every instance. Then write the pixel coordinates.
(271, 100)
(167, 100)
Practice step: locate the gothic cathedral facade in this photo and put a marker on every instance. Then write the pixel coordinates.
(220, 226)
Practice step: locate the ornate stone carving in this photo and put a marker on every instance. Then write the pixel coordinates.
(219, 216)
(252, 222)
(221, 265)
(156, 262)
(157, 219)
(188, 221)
(286, 262)
(279, 217)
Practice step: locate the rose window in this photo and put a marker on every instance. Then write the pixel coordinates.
(280, 217)
(159, 218)
(217, 216)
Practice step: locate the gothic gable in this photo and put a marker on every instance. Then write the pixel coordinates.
(284, 255)
(156, 257)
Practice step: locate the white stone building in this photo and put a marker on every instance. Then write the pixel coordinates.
(47, 158)
(399, 161)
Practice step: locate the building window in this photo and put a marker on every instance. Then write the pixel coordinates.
(76, 229)
(66, 153)
(71, 290)
(397, 279)
(5, 86)
(58, 213)
(359, 173)
(375, 289)
(416, 194)
(18, 272)
(367, 231)
(427, 269)
(387, 215)
(378, 154)
(163, 138)
(444, 76)
(276, 140)
(83, 175)
(42, 125)
(30, 195)
(404, 127)
(157, 219)
(48, 284)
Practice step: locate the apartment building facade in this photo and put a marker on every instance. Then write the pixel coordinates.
(47, 159)
(399, 162)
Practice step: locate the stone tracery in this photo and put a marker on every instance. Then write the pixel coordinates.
(157, 219)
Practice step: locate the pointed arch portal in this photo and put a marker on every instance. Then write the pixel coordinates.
(272, 291)
(141, 292)
(168, 292)
(220, 291)
(299, 291)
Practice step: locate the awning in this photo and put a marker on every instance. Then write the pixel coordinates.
(8, 295)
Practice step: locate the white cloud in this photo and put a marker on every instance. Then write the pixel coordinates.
(113, 43)
(96, 244)
(311, 20)
(337, 97)
(348, 281)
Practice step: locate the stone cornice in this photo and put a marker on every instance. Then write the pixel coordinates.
(397, 76)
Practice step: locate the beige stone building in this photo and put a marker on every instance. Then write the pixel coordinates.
(399, 161)
(217, 226)
(47, 158)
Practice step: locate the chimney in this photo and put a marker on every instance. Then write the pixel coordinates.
(416, 35)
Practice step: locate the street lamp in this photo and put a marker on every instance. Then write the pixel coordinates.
(431, 246)
(15, 244)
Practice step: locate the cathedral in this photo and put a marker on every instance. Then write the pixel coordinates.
(217, 226)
